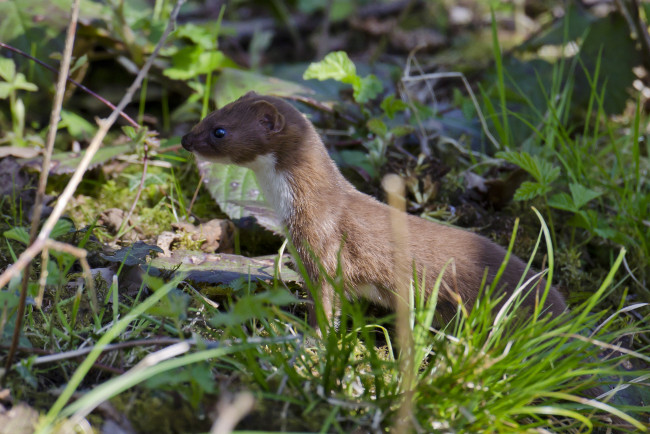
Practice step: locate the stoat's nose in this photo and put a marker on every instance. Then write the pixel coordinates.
(186, 141)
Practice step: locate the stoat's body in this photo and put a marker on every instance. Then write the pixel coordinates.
(323, 212)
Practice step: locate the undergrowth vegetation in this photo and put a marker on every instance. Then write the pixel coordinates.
(162, 299)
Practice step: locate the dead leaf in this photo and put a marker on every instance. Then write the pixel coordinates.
(216, 233)
(20, 419)
(19, 152)
(223, 267)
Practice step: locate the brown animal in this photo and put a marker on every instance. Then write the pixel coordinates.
(324, 213)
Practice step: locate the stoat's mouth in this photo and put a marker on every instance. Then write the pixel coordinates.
(186, 141)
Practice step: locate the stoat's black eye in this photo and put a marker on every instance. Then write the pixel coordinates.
(219, 133)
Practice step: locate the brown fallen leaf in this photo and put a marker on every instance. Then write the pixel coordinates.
(20, 419)
(218, 234)
(19, 152)
(222, 267)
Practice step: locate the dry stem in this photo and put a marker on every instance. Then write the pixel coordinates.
(394, 187)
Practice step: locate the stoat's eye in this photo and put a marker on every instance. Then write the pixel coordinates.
(219, 133)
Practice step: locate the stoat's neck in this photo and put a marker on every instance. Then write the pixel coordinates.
(304, 189)
(275, 186)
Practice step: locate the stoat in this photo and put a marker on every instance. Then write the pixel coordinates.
(326, 217)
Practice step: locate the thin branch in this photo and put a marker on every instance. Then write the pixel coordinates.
(57, 357)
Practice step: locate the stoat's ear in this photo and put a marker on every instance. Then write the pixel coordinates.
(268, 116)
(250, 94)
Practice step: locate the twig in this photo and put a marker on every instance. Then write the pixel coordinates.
(40, 193)
(196, 193)
(51, 358)
(145, 166)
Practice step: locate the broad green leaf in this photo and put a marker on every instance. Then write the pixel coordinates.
(368, 88)
(199, 35)
(377, 126)
(358, 159)
(20, 82)
(336, 66)
(5, 89)
(562, 201)
(582, 219)
(229, 182)
(233, 83)
(543, 171)
(134, 254)
(237, 193)
(391, 105)
(173, 305)
(61, 227)
(79, 62)
(529, 190)
(18, 233)
(609, 47)
(582, 195)
(7, 69)
(401, 130)
(67, 162)
(77, 126)
(254, 306)
(184, 63)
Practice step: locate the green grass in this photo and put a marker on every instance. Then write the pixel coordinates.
(483, 372)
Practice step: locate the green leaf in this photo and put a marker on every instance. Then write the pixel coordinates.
(77, 126)
(5, 89)
(61, 227)
(401, 130)
(583, 219)
(530, 190)
(20, 82)
(199, 35)
(335, 66)
(129, 131)
(233, 83)
(543, 171)
(358, 159)
(135, 254)
(368, 88)
(67, 162)
(377, 126)
(227, 183)
(18, 233)
(254, 307)
(78, 63)
(173, 305)
(391, 105)
(7, 69)
(582, 195)
(562, 201)
(189, 62)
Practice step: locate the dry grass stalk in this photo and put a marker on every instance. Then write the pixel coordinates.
(394, 187)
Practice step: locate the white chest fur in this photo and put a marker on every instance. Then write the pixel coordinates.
(274, 184)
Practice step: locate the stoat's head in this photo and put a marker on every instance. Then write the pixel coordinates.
(253, 126)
